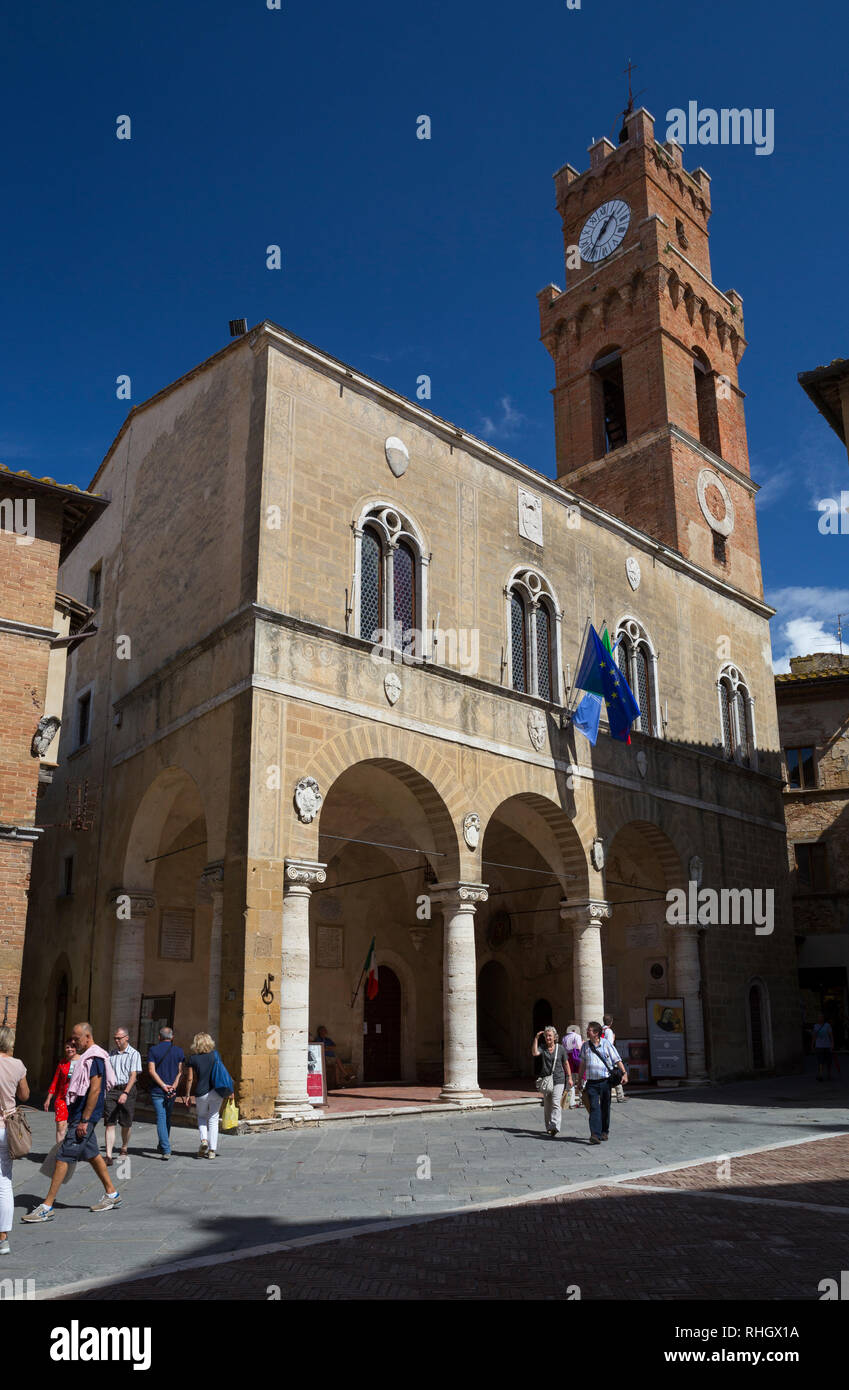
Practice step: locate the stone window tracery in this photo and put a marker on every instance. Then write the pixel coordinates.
(737, 716)
(390, 580)
(637, 661)
(533, 635)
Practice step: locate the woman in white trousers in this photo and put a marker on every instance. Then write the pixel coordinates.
(13, 1087)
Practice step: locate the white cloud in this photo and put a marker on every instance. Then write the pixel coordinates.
(806, 622)
(509, 423)
(815, 468)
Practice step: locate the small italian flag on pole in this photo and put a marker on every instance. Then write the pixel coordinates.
(370, 971)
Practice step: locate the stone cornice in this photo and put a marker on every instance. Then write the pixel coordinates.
(720, 464)
(696, 271)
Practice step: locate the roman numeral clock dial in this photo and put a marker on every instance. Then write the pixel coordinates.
(603, 230)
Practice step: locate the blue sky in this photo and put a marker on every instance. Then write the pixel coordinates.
(297, 127)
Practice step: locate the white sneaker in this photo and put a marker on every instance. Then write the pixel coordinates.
(5, 1248)
(204, 1149)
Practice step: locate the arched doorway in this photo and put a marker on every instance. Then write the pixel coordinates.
(382, 1029)
(495, 1022)
(759, 1026)
(543, 1014)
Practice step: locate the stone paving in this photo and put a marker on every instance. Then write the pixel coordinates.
(608, 1243)
(268, 1188)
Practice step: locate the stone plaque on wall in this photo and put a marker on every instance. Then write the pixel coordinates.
(641, 936)
(176, 933)
(329, 943)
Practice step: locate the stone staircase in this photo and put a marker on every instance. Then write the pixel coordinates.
(491, 1064)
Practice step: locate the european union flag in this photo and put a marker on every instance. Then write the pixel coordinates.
(587, 717)
(599, 674)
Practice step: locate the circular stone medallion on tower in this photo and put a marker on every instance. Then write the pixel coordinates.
(708, 485)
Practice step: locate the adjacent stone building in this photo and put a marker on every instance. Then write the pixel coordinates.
(40, 524)
(329, 699)
(813, 718)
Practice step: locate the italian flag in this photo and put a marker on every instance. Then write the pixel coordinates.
(370, 970)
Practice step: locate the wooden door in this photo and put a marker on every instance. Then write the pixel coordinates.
(382, 1030)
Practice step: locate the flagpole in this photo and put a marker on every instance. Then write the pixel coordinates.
(576, 695)
(357, 990)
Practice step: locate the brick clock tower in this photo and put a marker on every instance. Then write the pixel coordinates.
(648, 414)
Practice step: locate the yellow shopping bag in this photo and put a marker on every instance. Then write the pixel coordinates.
(230, 1114)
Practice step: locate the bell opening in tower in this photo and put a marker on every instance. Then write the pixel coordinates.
(609, 401)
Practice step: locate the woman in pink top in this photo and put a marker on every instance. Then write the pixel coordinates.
(13, 1087)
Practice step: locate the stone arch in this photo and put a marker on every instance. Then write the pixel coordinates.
(416, 764)
(561, 833)
(638, 811)
(517, 1026)
(158, 803)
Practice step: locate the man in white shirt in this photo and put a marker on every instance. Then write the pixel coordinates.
(120, 1103)
(598, 1059)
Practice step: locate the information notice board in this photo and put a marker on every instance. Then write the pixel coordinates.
(316, 1074)
(667, 1038)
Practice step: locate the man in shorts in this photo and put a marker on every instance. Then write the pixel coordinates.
(93, 1075)
(120, 1104)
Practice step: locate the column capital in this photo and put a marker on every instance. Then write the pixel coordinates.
(303, 873)
(211, 879)
(461, 895)
(142, 901)
(588, 912)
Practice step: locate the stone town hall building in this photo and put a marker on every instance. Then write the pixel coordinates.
(268, 794)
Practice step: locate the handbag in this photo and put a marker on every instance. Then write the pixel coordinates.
(18, 1134)
(220, 1079)
(545, 1083)
(48, 1167)
(615, 1076)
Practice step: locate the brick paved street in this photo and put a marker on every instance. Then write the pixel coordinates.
(650, 1247)
(277, 1187)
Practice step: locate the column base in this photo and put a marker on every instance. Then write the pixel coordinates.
(295, 1111)
(471, 1099)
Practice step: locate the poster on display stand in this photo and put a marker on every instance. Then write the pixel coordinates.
(667, 1038)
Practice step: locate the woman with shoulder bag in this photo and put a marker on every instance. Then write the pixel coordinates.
(555, 1076)
(213, 1084)
(13, 1087)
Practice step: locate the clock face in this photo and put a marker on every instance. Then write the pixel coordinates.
(603, 230)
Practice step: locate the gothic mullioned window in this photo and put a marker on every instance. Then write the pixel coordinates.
(638, 664)
(519, 641)
(737, 716)
(533, 635)
(390, 570)
(371, 584)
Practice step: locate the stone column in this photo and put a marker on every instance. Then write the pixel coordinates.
(587, 974)
(459, 992)
(131, 908)
(300, 877)
(687, 974)
(211, 886)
